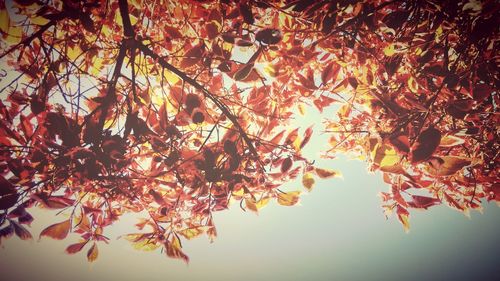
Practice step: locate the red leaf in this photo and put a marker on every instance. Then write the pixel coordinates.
(330, 72)
(307, 137)
(423, 201)
(481, 91)
(75, 248)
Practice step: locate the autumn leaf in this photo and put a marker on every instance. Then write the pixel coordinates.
(307, 137)
(92, 253)
(426, 144)
(286, 165)
(404, 218)
(330, 72)
(21, 231)
(192, 232)
(423, 202)
(57, 231)
(289, 198)
(308, 181)
(243, 72)
(447, 165)
(173, 250)
(75, 248)
(326, 173)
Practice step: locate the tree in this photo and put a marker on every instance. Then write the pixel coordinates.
(171, 109)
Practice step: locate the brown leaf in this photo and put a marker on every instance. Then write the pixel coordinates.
(286, 165)
(21, 231)
(57, 231)
(426, 144)
(246, 13)
(243, 72)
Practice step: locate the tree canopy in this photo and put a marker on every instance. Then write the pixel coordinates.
(174, 109)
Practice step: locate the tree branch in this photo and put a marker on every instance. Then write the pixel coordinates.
(225, 110)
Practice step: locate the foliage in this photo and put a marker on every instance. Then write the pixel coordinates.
(173, 109)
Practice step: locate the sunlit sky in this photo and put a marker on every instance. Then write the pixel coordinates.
(337, 233)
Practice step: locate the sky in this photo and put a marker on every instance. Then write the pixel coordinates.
(338, 232)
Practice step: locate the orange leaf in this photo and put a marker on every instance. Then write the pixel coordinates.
(404, 218)
(57, 231)
(326, 173)
(92, 253)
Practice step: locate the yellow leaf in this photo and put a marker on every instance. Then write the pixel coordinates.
(289, 198)
(262, 203)
(302, 109)
(326, 173)
(192, 232)
(15, 35)
(238, 193)
(384, 155)
(145, 245)
(4, 20)
(389, 50)
(74, 52)
(308, 181)
(93, 253)
(412, 85)
(39, 20)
